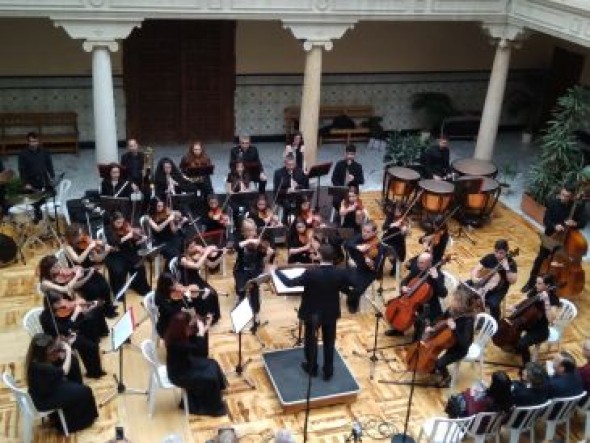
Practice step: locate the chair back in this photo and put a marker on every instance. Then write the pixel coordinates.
(62, 258)
(448, 430)
(485, 327)
(561, 409)
(486, 424)
(149, 302)
(31, 321)
(567, 313)
(523, 418)
(144, 222)
(148, 349)
(62, 191)
(173, 266)
(100, 235)
(23, 399)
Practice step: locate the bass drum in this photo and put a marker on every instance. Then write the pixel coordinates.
(8, 250)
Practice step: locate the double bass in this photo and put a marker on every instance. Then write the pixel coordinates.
(401, 311)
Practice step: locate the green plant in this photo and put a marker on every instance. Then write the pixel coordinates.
(560, 161)
(508, 173)
(14, 187)
(434, 107)
(404, 149)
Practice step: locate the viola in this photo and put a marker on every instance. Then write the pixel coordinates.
(311, 219)
(68, 309)
(126, 228)
(84, 241)
(217, 214)
(64, 275)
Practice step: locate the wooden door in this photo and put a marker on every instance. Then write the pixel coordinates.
(179, 81)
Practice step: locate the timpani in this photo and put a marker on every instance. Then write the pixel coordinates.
(436, 195)
(475, 166)
(400, 182)
(479, 206)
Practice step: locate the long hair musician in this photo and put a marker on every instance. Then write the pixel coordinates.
(168, 180)
(166, 228)
(196, 157)
(114, 185)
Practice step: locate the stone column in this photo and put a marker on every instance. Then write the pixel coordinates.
(490, 119)
(105, 126)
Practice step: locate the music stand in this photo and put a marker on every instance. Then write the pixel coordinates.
(240, 316)
(244, 199)
(254, 169)
(200, 171)
(275, 233)
(182, 201)
(112, 204)
(51, 186)
(317, 171)
(121, 294)
(346, 233)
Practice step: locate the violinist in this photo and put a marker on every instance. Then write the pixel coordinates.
(296, 148)
(496, 288)
(305, 212)
(251, 253)
(262, 215)
(113, 185)
(79, 324)
(168, 180)
(166, 227)
(367, 255)
(123, 259)
(54, 381)
(247, 153)
(300, 243)
(556, 220)
(288, 179)
(436, 237)
(395, 230)
(84, 252)
(347, 172)
(216, 218)
(547, 303)
(352, 212)
(419, 266)
(196, 157)
(206, 301)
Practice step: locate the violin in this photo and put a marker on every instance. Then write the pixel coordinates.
(64, 275)
(84, 241)
(217, 214)
(162, 216)
(311, 219)
(126, 228)
(68, 309)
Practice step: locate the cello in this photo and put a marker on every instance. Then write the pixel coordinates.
(401, 311)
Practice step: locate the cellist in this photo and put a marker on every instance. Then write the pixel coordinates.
(557, 219)
(418, 266)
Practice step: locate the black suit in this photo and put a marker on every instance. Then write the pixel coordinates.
(133, 164)
(566, 385)
(282, 182)
(524, 395)
(320, 307)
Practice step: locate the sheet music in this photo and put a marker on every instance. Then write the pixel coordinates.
(123, 329)
(289, 273)
(241, 315)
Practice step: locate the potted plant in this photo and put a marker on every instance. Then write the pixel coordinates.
(560, 161)
(508, 173)
(525, 104)
(434, 107)
(404, 149)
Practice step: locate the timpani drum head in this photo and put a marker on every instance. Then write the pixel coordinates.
(436, 196)
(402, 180)
(475, 166)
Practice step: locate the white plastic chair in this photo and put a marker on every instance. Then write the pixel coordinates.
(522, 419)
(158, 377)
(485, 425)
(149, 304)
(31, 321)
(444, 430)
(62, 258)
(565, 316)
(60, 201)
(560, 411)
(584, 408)
(451, 282)
(28, 409)
(173, 266)
(485, 326)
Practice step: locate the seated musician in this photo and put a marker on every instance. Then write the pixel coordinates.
(133, 161)
(566, 380)
(238, 180)
(493, 275)
(82, 251)
(262, 215)
(247, 153)
(113, 184)
(538, 332)
(459, 317)
(556, 220)
(352, 212)
(435, 160)
(420, 266)
(534, 387)
(303, 247)
(168, 179)
(395, 230)
(195, 256)
(35, 169)
(305, 212)
(196, 158)
(288, 179)
(296, 148)
(436, 238)
(347, 172)
(80, 324)
(367, 256)
(585, 370)
(123, 260)
(251, 254)
(216, 219)
(166, 228)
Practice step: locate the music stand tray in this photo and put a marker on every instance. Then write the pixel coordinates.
(200, 171)
(338, 191)
(274, 232)
(182, 200)
(244, 198)
(112, 204)
(319, 170)
(296, 195)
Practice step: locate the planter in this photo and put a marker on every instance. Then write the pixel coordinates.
(532, 208)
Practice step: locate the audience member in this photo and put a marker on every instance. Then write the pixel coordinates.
(566, 380)
(534, 388)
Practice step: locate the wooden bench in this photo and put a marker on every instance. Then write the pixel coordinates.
(58, 131)
(327, 114)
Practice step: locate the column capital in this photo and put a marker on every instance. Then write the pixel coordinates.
(97, 33)
(505, 33)
(315, 34)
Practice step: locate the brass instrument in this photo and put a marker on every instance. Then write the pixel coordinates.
(148, 164)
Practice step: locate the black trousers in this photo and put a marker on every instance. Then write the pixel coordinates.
(451, 356)
(361, 280)
(120, 266)
(241, 277)
(530, 338)
(541, 256)
(493, 301)
(310, 348)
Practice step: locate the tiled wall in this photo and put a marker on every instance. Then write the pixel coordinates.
(259, 99)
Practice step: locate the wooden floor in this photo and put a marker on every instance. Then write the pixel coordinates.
(257, 413)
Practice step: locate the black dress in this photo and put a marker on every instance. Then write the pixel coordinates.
(189, 368)
(51, 389)
(171, 241)
(209, 305)
(167, 309)
(96, 287)
(249, 264)
(295, 242)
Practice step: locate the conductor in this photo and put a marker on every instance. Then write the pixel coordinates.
(320, 307)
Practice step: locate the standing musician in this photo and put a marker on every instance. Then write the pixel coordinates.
(296, 148)
(435, 160)
(496, 288)
(36, 170)
(251, 253)
(347, 172)
(320, 307)
(352, 212)
(166, 228)
(557, 219)
(86, 253)
(168, 180)
(305, 212)
(367, 254)
(123, 259)
(206, 300)
(436, 237)
(113, 184)
(395, 230)
(303, 247)
(419, 266)
(287, 179)
(133, 162)
(247, 153)
(196, 157)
